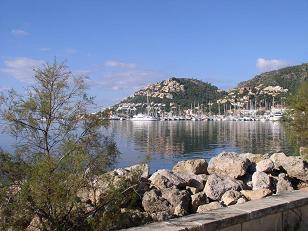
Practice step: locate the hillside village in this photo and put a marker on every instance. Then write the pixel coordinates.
(192, 99)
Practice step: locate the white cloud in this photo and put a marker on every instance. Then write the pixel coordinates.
(270, 64)
(19, 32)
(117, 64)
(118, 76)
(21, 68)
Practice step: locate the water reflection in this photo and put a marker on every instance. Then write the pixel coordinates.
(167, 142)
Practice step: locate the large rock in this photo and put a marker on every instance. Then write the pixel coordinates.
(256, 194)
(102, 184)
(164, 204)
(230, 197)
(152, 202)
(216, 186)
(142, 170)
(192, 180)
(179, 200)
(279, 159)
(260, 180)
(196, 166)
(166, 179)
(208, 207)
(295, 166)
(241, 200)
(198, 199)
(283, 184)
(193, 190)
(228, 164)
(266, 165)
(254, 158)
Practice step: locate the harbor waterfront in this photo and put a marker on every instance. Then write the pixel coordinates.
(163, 143)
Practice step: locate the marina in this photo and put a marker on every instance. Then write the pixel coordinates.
(162, 143)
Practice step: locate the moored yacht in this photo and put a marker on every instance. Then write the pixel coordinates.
(142, 117)
(276, 116)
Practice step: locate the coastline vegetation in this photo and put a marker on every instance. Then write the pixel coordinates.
(297, 117)
(52, 180)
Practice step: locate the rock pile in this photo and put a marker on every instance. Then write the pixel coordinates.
(197, 186)
(227, 179)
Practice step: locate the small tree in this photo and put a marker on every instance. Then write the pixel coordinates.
(59, 152)
(298, 116)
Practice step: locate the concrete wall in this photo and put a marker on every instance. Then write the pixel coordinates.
(283, 212)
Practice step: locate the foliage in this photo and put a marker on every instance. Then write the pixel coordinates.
(288, 77)
(195, 92)
(60, 152)
(298, 116)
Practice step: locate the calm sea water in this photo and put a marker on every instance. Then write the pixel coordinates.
(165, 143)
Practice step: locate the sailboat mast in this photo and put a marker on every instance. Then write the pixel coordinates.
(148, 106)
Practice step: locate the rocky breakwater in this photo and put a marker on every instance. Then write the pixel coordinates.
(229, 178)
(198, 186)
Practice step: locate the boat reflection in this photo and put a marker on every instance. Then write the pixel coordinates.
(176, 140)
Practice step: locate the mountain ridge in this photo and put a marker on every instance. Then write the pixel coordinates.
(191, 92)
(287, 77)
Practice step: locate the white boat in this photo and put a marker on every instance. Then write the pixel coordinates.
(142, 117)
(263, 119)
(114, 117)
(276, 116)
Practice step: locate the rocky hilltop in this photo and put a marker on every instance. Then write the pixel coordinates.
(163, 90)
(174, 92)
(262, 91)
(267, 89)
(289, 78)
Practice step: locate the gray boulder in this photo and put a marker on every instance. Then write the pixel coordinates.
(196, 166)
(216, 186)
(231, 197)
(256, 194)
(207, 207)
(165, 179)
(102, 184)
(283, 184)
(152, 202)
(142, 170)
(228, 164)
(178, 199)
(260, 180)
(254, 158)
(295, 166)
(279, 159)
(192, 180)
(198, 199)
(241, 200)
(193, 190)
(266, 165)
(181, 210)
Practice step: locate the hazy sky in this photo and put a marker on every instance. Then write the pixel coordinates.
(124, 45)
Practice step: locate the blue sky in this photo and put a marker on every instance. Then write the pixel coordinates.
(124, 45)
